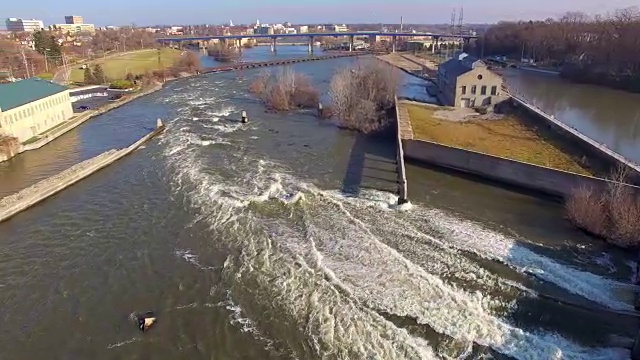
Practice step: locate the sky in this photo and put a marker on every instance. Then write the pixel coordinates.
(152, 12)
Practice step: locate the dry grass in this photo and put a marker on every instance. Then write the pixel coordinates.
(505, 137)
(286, 90)
(8, 145)
(613, 214)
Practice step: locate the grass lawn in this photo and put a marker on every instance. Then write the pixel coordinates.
(117, 66)
(45, 76)
(506, 138)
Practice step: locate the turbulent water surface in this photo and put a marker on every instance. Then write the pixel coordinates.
(280, 239)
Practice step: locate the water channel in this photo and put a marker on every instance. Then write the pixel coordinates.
(280, 239)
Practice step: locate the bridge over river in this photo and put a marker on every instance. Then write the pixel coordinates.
(372, 35)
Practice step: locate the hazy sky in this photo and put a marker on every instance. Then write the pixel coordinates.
(149, 12)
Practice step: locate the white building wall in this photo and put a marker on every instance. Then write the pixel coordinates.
(29, 120)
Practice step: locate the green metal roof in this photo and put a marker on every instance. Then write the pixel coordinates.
(15, 94)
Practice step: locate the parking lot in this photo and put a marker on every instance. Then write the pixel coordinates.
(95, 101)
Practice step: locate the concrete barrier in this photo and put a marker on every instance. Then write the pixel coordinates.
(589, 146)
(400, 168)
(24, 199)
(550, 181)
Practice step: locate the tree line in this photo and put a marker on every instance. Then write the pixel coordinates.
(604, 49)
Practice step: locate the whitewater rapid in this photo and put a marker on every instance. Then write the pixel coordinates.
(341, 269)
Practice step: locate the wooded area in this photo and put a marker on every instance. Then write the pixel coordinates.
(603, 50)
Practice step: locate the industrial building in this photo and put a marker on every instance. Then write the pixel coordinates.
(465, 81)
(24, 25)
(32, 106)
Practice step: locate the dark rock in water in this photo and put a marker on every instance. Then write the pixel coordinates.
(146, 320)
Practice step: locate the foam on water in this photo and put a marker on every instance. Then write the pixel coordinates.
(330, 264)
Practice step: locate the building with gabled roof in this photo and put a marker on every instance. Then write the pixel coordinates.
(465, 81)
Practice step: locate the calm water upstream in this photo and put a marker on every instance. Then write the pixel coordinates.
(280, 239)
(609, 116)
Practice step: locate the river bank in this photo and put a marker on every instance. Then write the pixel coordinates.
(54, 133)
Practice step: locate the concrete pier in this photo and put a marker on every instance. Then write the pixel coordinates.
(402, 118)
(24, 199)
(310, 50)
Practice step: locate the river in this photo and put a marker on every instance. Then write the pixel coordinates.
(611, 117)
(280, 239)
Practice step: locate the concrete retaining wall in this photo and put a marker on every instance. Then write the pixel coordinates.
(539, 178)
(400, 168)
(588, 146)
(24, 199)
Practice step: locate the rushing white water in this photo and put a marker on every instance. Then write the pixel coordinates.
(333, 264)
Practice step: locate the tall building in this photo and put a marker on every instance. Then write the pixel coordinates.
(24, 25)
(73, 19)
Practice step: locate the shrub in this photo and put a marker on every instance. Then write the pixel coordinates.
(587, 209)
(259, 84)
(9, 145)
(98, 75)
(362, 95)
(121, 84)
(613, 214)
(286, 90)
(88, 77)
(189, 62)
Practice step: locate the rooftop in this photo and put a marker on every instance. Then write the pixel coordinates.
(15, 94)
(459, 64)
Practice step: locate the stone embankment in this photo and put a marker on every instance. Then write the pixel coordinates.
(411, 64)
(22, 200)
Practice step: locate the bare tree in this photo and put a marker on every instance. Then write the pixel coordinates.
(285, 90)
(603, 50)
(362, 95)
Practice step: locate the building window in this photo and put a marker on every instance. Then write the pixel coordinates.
(464, 90)
(483, 90)
(473, 90)
(479, 76)
(494, 90)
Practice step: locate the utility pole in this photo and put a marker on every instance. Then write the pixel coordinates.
(160, 65)
(66, 69)
(452, 30)
(24, 58)
(46, 63)
(460, 22)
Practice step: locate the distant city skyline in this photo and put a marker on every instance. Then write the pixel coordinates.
(147, 13)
